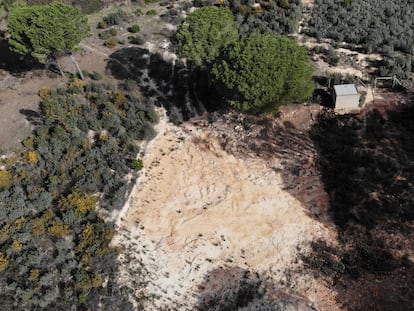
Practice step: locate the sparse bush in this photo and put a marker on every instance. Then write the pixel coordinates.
(151, 12)
(102, 24)
(111, 42)
(129, 85)
(134, 28)
(139, 12)
(5, 179)
(137, 164)
(105, 35)
(113, 32)
(138, 40)
(84, 72)
(96, 76)
(116, 18)
(88, 6)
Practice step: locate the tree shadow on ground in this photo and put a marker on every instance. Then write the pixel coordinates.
(366, 165)
(367, 168)
(231, 289)
(16, 63)
(183, 92)
(32, 116)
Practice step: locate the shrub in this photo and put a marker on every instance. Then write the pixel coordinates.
(138, 40)
(139, 12)
(205, 32)
(332, 57)
(113, 32)
(102, 24)
(137, 164)
(96, 76)
(5, 179)
(105, 35)
(88, 6)
(116, 18)
(151, 12)
(129, 85)
(134, 28)
(110, 43)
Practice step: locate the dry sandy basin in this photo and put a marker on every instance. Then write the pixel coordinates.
(199, 218)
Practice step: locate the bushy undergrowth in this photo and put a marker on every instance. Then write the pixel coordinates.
(54, 246)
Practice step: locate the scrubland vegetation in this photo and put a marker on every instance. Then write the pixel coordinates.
(383, 27)
(54, 249)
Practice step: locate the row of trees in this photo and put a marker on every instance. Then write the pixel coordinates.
(257, 73)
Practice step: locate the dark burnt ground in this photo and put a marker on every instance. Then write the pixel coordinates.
(229, 289)
(367, 167)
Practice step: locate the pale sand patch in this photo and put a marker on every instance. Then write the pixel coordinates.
(198, 208)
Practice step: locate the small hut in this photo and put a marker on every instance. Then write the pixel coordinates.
(346, 98)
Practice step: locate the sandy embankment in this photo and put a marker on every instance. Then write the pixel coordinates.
(198, 208)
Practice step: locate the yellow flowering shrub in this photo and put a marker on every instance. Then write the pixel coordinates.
(83, 203)
(59, 229)
(34, 275)
(17, 246)
(5, 179)
(4, 262)
(44, 93)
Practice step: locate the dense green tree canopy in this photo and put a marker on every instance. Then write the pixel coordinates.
(44, 30)
(205, 32)
(262, 72)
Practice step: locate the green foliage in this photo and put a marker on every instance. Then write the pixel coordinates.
(116, 18)
(54, 245)
(129, 85)
(5, 179)
(134, 28)
(151, 12)
(137, 164)
(88, 6)
(111, 42)
(45, 30)
(105, 35)
(262, 72)
(113, 31)
(277, 17)
(138, 12)
(96, 76)
(136, 40)
(204, 33)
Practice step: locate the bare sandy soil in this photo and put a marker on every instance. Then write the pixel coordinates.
(199, 209)
(19, 102)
